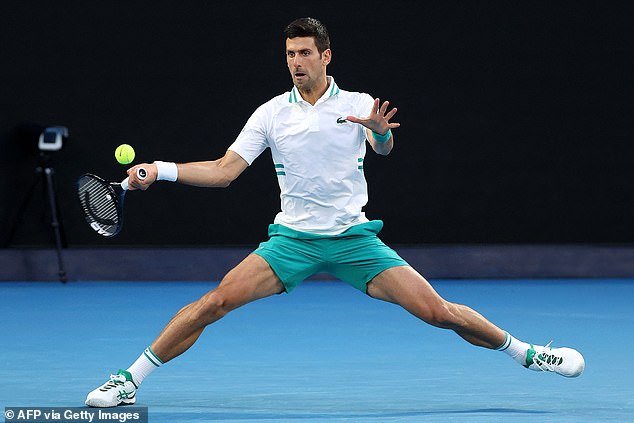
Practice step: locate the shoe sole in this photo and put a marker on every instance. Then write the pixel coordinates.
(103, 404)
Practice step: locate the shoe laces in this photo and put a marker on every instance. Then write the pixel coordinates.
(115, 380)
(545, 360)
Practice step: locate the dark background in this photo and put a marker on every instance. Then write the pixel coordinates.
(516, 116)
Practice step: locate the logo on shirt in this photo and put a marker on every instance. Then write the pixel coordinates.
(341, 120)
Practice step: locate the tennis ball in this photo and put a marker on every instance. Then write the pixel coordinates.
(124, 154)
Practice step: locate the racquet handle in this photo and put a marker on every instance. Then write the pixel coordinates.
(141, 173)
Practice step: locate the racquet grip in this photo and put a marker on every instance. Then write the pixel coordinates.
(141, 173)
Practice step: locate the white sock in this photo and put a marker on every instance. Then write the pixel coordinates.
(144, 365)
(515, 348)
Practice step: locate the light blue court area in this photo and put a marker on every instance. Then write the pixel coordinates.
(325, 353)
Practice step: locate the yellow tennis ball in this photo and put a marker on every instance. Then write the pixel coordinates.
(124, 154)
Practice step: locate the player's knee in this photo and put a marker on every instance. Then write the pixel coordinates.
(444, 315)
(212, 307)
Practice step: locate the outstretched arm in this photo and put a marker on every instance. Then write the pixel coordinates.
(217, 173)
(377, 125)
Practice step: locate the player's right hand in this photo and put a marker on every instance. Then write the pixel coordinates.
(134, 182)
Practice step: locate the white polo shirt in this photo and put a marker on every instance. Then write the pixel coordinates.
(317, 156)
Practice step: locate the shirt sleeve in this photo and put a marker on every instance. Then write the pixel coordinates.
(252, 140)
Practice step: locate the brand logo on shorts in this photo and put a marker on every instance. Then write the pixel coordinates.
(341, 120)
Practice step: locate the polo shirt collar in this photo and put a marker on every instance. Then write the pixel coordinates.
(333, 89)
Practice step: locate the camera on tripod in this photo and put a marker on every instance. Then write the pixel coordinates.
(52, 138)
(49, 139)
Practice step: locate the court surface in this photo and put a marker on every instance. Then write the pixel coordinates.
(325, 353)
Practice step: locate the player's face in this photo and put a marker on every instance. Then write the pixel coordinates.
(307, 66)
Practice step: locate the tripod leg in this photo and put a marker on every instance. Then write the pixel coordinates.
(55, 222)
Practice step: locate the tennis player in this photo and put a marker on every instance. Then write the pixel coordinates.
(317, 133)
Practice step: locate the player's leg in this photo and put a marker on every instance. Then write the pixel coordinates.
(250, 280)
(404, 286)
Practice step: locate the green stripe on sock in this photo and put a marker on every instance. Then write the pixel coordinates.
(155, 356)
(149, 358)
(506, 343)
(152, 357)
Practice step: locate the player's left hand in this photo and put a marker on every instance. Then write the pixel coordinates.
(379, 118)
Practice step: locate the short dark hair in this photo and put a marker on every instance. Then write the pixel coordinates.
(309, 27)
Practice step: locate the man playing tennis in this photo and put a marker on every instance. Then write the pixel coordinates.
(317, 134)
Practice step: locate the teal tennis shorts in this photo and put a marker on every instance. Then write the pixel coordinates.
(354, 256)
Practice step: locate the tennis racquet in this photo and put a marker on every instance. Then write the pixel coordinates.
(102, 202)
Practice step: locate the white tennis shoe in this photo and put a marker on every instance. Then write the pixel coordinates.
(119, 390)
(563, 361)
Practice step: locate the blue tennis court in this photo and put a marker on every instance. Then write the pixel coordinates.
(325, 353)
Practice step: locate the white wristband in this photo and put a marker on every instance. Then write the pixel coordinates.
(167, 171)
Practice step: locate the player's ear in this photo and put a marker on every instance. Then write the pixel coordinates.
(326, 56)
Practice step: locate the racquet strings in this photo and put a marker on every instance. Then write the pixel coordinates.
(99, 201)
